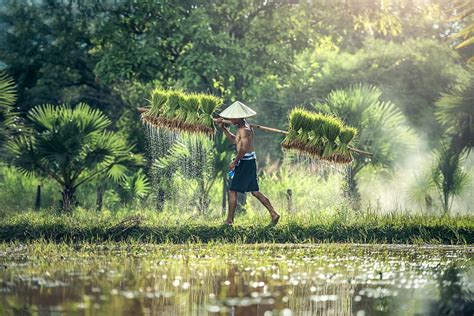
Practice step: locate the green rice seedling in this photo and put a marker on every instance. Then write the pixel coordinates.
(209, 105)
(347, 134)
(317, 140)
(193, 108)
(343, 153)
(178, 102)
(158, 100)
(331, 130)
(296, 118)
(317, 124)
(302, 137)
(174, 98)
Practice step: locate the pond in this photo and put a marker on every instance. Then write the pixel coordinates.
(230, 279)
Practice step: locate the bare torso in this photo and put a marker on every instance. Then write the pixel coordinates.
(244, 139)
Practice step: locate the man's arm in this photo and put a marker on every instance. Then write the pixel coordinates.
(227, 133)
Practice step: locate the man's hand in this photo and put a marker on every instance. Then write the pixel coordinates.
(220, 123)
(232, 165)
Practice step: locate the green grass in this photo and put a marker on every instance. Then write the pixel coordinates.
(149, 226)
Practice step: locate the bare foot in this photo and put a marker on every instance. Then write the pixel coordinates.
(275, 219)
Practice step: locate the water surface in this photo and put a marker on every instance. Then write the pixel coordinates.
(145, 279)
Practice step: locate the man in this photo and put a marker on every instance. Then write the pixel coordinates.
(243, 168)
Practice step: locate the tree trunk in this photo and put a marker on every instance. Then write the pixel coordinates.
(160, 199)
(352, 192)
(68, 201)
(38, 198)
(289, 198)
(202, 196)
(446, 202)
(100, 197)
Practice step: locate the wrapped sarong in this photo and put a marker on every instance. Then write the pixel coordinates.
(244, 178)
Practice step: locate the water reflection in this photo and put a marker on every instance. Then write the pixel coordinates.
(123, 279)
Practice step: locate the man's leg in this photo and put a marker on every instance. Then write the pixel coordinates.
(266, 202)
(232, 206)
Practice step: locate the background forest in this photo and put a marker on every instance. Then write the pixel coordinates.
(400, 71)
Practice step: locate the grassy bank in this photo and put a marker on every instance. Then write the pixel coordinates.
(149, 226)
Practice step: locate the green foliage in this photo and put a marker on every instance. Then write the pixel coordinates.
(71, 146)
(382, 128)
(49, 48)
(310, 188)
(464, 12)
(134, 188)
(455, 111)
(448, 176)
(422, 191)
(14, 185)
(159, 99)
(7, 100)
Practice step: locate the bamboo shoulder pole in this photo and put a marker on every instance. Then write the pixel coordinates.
(265, 128)
(271, 129)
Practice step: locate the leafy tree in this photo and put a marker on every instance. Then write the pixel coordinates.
(382, 127)
(7, 99)
(47, 46)
(71, 146)
(464, 13)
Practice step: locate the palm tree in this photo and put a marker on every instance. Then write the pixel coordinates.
(210, 161)
(448, 177)
(7, 99)
(71, 146)
(382, 127)
(455, 111)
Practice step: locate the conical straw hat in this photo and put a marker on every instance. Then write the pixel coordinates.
(237, 110)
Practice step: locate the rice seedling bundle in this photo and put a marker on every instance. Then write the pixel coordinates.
(179, 111)
(319, 135)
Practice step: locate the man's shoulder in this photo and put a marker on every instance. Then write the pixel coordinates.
(245, 129)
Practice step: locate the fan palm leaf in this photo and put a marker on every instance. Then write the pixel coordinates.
(7, 100)
(455, 111)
